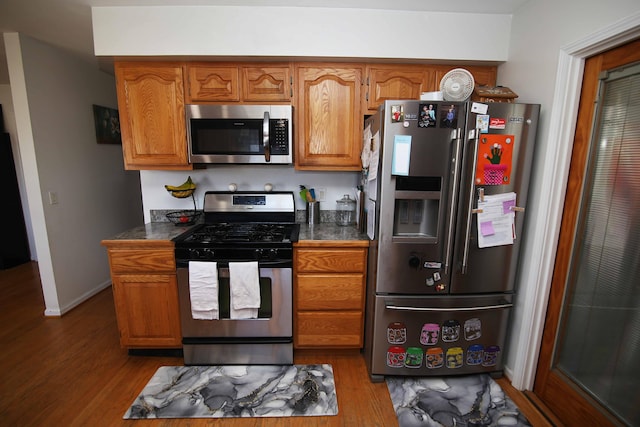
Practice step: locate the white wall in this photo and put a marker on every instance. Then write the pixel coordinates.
(53, 93)
(299, 32)
(538, 69)
(10, 127)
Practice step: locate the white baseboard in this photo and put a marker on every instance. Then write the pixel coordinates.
(76, 302)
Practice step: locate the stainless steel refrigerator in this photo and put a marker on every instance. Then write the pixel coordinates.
(445, 193)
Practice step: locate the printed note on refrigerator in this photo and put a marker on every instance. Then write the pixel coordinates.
(496, 220)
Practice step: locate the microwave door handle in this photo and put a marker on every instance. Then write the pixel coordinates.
(265, 137)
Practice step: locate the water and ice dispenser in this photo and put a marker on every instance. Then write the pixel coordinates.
(417, 207)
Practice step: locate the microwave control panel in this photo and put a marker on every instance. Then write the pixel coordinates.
(279, 131)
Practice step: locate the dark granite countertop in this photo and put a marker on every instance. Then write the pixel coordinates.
(168, 231)
(330, 231)
(152, 231)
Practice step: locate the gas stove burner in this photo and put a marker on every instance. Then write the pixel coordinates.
(241, 232)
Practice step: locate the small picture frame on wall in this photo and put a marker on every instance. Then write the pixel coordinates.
(107, 124)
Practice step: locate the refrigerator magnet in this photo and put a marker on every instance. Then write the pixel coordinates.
(397, 113)
(449, 116)
(427, 116)
(482, 123)
(472, 329)
(479, 108)
(495, 158)
(497, 123)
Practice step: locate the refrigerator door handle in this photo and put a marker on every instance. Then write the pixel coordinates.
(475, 135)
(450, 309)
(452, 217)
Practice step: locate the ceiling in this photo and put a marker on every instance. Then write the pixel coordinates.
(67, 23)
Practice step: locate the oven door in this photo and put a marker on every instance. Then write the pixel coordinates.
(267, 339)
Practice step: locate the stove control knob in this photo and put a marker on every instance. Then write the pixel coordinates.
(414, 261)
(208, 253)
(258, 254)
(194, 253)
(273, 253)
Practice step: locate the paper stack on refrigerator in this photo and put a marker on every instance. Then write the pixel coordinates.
(496, 220)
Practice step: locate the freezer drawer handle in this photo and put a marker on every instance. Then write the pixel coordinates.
(434, 309)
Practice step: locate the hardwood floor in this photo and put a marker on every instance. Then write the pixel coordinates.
(71, 371)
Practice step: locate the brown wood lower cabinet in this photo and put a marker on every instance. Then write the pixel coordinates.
(329, 294)
(145, 293)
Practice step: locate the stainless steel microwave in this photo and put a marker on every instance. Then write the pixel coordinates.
(241, 134)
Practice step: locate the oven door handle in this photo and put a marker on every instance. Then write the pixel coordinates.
(265, 137)
(225, 265)
(436, 309)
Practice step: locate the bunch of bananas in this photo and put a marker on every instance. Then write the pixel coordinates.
(183, 190)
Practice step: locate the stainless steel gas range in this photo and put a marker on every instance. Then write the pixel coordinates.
(242, 231)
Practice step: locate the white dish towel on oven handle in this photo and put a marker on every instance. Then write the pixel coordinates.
(203, 290)
(244, 283)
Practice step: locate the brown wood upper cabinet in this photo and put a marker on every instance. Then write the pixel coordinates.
(408, 81)
(395, 81)
(151, 109)
(329, 99)
(233, 82)
(328, 116)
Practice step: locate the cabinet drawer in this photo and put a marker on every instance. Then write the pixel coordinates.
(331, 260)
(142, 261)
(330, 292)
(329, 329)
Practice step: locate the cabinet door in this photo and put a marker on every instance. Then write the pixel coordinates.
(328, 114)
(147, 310)
(270, 83)
(395, 82)
(213, 83)
(152, 123)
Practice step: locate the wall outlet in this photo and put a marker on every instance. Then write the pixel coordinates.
(321, 193)
(53, 198)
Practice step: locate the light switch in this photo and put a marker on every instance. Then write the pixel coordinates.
(53, 198)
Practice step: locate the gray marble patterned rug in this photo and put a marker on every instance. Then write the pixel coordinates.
(237, 391)
(473, 400)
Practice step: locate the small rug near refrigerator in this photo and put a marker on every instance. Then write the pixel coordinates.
(472, 400)
(237, 391)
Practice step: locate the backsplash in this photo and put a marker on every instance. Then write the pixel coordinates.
(160, 215)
